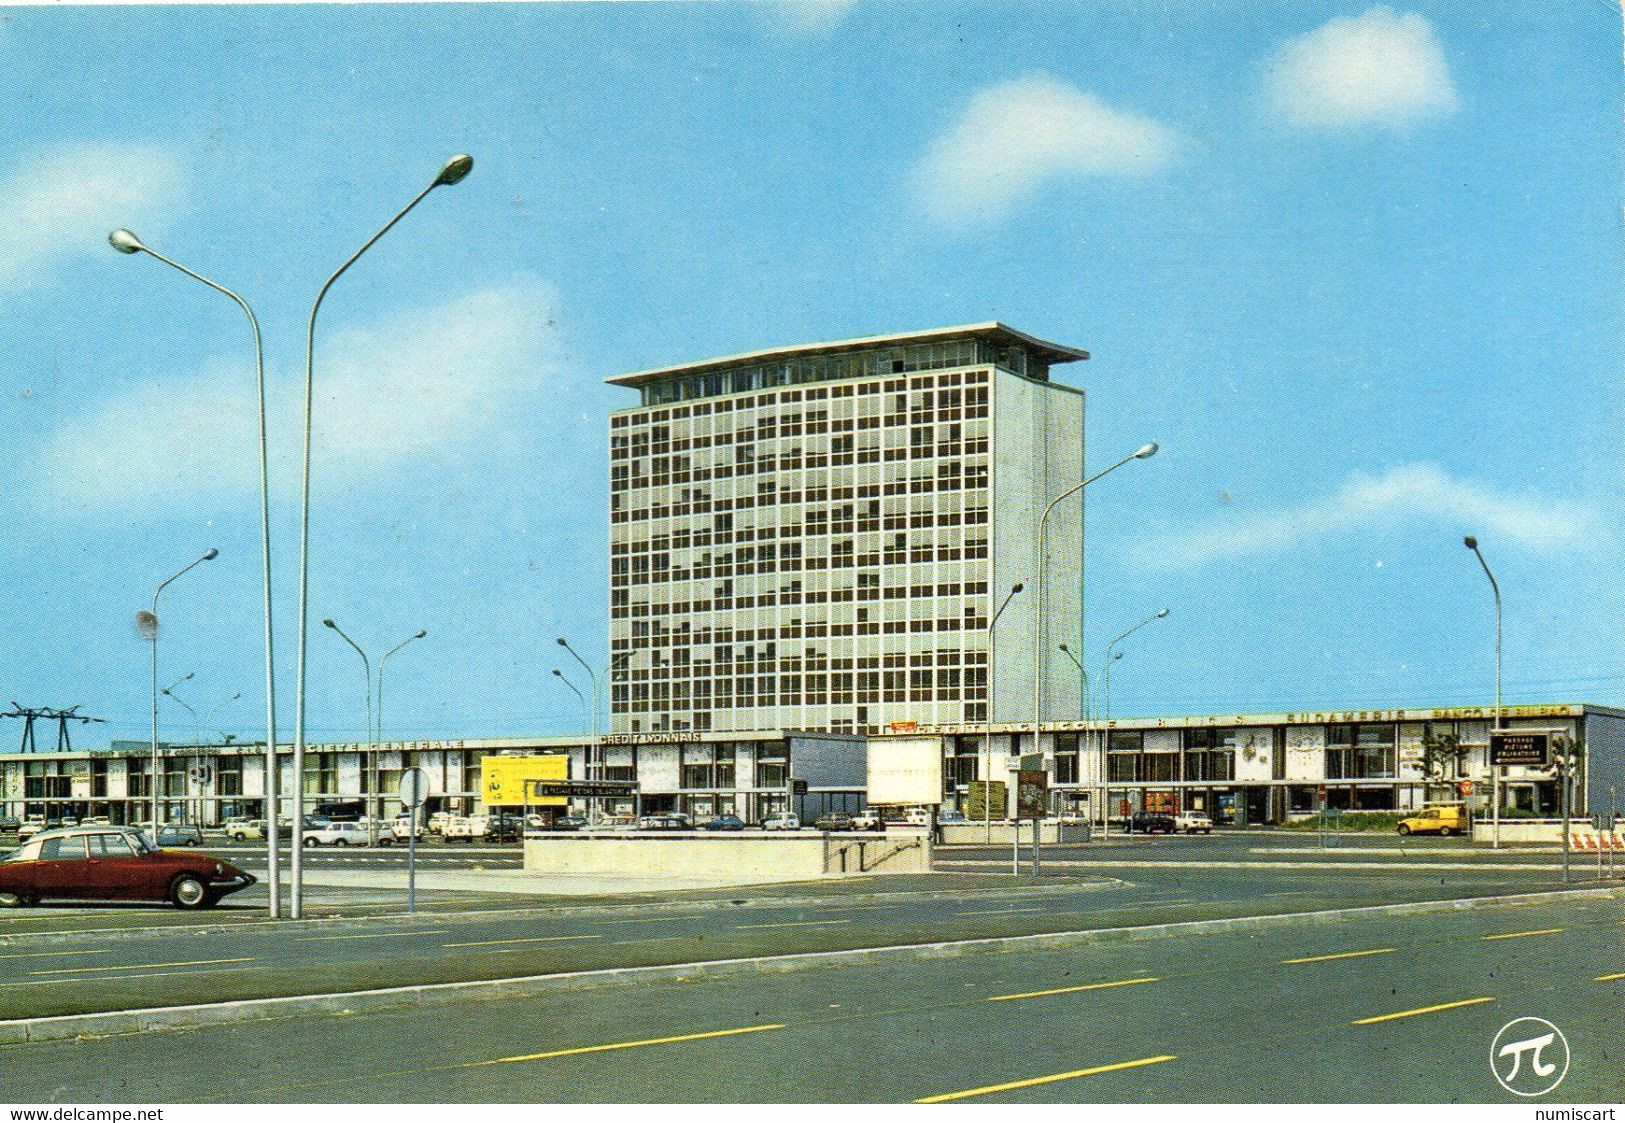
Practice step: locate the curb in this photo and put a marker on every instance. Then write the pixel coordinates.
(403, 919)
(69, 1026)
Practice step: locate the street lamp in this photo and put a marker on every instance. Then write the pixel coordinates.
(592, 745)
(453, 172)
(560, 676)
(1495, 773)
(987, 739)
(375, 732)
(1144, 452)
(208, 718)
(150, 624)
(126, 242)
(1083, 693)
(1106, 704)
(1106, 679)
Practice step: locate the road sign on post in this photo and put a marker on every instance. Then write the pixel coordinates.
(1526, 746)
(414, 790)
(1465, 787)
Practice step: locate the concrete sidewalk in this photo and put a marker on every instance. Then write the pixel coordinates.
(537, 884)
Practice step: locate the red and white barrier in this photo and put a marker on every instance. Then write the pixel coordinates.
(1597, 840)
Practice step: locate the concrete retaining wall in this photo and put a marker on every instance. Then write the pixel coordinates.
(1517, 831)
(787, 855)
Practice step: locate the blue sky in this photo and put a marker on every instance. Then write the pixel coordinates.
(1356, 268)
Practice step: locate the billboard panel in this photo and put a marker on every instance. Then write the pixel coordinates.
(502, 779)
(905, 771)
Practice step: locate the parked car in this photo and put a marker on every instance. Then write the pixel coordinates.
(113, 864)
(96, 821)
(723, 823)
(9, 822)
(180, 834)
(336, 834)
(241, 830)
(918, 817)
(400, 831)
(951, 816)
(834, 821)
(1193, 821)
(1151, 822)
(438, 821)
(869, 820)
(670, 821)
(464, 828)
(783, 821)
(503, 828)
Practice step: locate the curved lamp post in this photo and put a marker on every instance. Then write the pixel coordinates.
(583, 698)
(987, 739)
(593, 763)
(1495, 773)
(378, 710)
(454, 171)
(1144, 452)
(208, 718)
(126, 242)
(1106, 679)
(375, 720)
(1083, 694)
(152, 622)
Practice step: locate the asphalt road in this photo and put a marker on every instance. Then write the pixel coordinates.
(75, 959)
(1374, 1009)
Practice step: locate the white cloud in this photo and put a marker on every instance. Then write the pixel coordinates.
(1374, 70)
(63, 201)
(400, 389)
(1413, 492)
(803, 17)
(1017, 135)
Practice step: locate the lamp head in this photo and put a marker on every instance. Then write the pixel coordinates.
(1161, 613)
(455, 170)
(1146, 450)
(1116, 657)
(1470, 542)
(329, 624)
(1017, 587)
(125, 242)
(211, 554)
(1064, 647)
(560, 642)
(420, 635)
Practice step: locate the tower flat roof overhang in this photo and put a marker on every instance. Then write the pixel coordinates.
(1049, 352)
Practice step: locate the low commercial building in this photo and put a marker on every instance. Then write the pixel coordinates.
(1267, 768)
(751, 775)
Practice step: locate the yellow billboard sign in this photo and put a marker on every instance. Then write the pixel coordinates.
(503, 779)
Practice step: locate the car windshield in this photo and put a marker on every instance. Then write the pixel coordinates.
(143, 842)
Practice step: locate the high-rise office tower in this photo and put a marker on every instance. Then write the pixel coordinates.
(815, 537)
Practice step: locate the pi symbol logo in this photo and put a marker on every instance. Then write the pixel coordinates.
(1530, 1057)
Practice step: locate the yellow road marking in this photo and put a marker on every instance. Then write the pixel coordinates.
(1071, 990)
(520, 940)
(1339, 955)
(142, 966)
(1421, 1010)
(1610, 978)
(1515, 935)
(795, 924)
(36, 954)
(991, 1088)
(623, 1045)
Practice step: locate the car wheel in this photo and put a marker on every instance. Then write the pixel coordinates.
(13, 900)
(341, 842)
(188, 891)
(311, 842)
(1403, 829)
(1445, 832)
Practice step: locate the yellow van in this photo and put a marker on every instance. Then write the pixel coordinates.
(1439, 818)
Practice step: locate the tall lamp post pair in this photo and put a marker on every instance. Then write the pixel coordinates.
(122, 240)
(375, 720)
(1144, 452)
